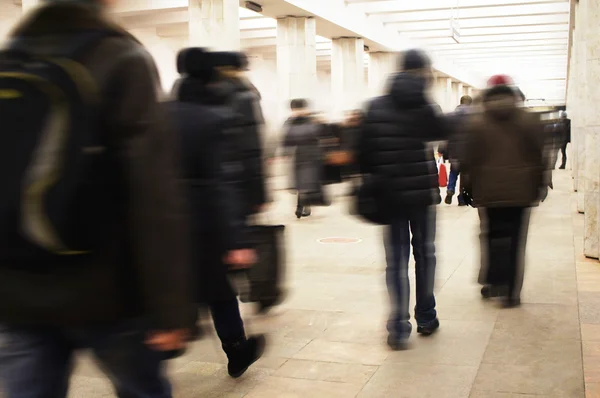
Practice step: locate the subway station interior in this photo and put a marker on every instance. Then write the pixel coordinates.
(327, 338)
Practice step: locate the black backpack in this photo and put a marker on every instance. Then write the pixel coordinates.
(55, 167)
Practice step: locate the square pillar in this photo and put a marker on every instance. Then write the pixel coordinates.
(381, 66)
(447, 85)
(296, 60)
(591, 244)
(347, 74)
(461, 92)
(214, 24)
(27, 4)
(582, 114)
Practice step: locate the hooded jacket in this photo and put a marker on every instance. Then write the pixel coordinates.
(393, 146)
(141, 269)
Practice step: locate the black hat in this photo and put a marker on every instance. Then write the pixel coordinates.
(415, 59)
(225, 59)
(195, 62)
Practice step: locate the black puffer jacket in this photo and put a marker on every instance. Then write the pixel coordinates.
(245, 102)
(394, 148)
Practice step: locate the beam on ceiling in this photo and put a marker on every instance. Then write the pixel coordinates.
(334, 19)
(419, 6)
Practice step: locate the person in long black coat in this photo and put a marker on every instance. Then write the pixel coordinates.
(213, 170)
(244, 99)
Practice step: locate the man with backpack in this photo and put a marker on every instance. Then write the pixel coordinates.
(93, 248)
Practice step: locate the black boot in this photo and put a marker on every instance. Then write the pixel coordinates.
(429, 329)
(449, 195)
(306, 212)
(299, 211)
(243, 353)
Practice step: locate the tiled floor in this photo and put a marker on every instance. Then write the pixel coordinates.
(328, 339)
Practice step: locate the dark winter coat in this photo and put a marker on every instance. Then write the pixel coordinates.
(244, 100)
(302, 137)
(505, 161)
(393, 146)
(217, 218)
(141, 270)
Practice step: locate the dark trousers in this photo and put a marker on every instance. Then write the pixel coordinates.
(563, 150)
(504, 236)
(36, 362)
(228, 321)
(421, 222)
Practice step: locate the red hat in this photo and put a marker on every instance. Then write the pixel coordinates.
(499, 80)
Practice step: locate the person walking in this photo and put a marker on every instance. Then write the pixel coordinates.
(506, 170)
(302, 139)
(244, 99)
(212, 175)
(100, 259)
(456, 122)
(565, 129)
(394, 149)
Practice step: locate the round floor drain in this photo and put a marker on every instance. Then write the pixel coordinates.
(333, 241)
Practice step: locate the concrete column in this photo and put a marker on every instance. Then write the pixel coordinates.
(470, 91)
(27, 4)
(591, 99)
(296, 60)
(582, 114)
(447, 87)
(381, 66)
(215, 24)
(572, 107)
(347, 74)
(461, 92)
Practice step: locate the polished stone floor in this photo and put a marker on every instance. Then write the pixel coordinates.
(328, 339)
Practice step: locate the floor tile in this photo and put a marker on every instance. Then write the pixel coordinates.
(281, 387)
(409, 380)
(539, 379)
(326, 371)
(329, 351)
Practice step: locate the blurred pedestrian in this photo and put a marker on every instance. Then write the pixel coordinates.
(565, 130)
(456, 125)
(99, 260)
(244, 98)
(212, 175)
(506, 169)
(394, 149)
(302, 140)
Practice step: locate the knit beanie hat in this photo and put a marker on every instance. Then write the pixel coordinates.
(500, 80)
(415, 59)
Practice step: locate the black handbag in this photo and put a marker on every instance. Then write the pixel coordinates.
(265, 278)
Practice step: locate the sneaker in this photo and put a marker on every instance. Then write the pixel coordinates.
(244, 353)
(449, 195)
(429, 329)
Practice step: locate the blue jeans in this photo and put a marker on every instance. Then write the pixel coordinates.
(421, 221)
(454, 173)
(36, 362)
